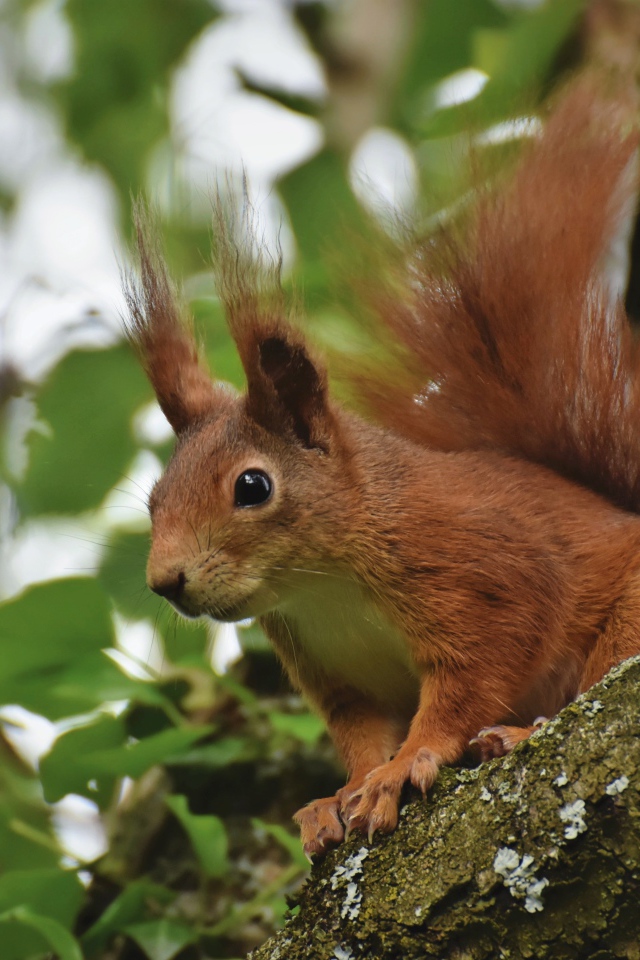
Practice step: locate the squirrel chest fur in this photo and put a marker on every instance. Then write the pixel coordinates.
(472, 560)
(335, 625)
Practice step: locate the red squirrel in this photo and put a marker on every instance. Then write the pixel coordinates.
(472, 559)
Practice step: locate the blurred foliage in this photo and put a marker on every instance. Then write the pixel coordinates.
(115, 103)
(201, 853)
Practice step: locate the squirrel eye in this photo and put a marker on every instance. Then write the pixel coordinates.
(252, 488)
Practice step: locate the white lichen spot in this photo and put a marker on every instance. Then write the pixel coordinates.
(352, 902)
(509, 793)
(277, 953)
(573, 815)
(506, 860)
(533, 901)
(346, 873)
(561, 780)
(468, 776)
(351, 868)
(518, 876)
(592, 707)
(342, 953)
(485, 795)
(617, 786)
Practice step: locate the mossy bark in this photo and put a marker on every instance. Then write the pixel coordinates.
(536, 855)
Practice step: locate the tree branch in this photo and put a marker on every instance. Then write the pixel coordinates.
(536, 855)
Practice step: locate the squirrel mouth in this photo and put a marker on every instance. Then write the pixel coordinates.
(183, 611)
(230, 614)
(220, 614)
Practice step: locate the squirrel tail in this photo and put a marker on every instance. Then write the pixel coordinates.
(510, 337)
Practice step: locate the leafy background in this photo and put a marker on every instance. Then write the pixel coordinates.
(146, 781)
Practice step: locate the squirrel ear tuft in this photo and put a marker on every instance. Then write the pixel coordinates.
(299, 386)
(162, 334)
(286, 386)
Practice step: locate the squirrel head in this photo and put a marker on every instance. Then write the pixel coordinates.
(246, 503)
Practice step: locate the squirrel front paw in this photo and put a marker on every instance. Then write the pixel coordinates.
(373, 807)
(320, 826)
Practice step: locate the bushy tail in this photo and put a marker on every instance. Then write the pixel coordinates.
(512, 339)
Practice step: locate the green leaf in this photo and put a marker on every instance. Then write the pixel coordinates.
(98, 752)
(246, 697)
(115, 103)
(162, 939)
(52, 623)
(129, 906)
(37, 910)
(207, 834)
(51, 628)
(69, 765)
(284, 98)
(443, 42)
(53, 893)
(186, 642)
(287, 840)
(65, 945)
(122, 573)
(27, 841)
(133, 759)
(83, 687)
(26, 838)
(521, 60)
(529, 48)
(321, 205)
(87, 403)
(220, 754)
(96, 679)
(303, 726)
(222, 354)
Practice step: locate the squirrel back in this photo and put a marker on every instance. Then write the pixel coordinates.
(510, 338)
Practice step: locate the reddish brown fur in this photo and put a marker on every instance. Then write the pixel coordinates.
(512, 323)
(453, 570)
(162, 335)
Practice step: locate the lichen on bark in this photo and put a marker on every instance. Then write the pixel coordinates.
(536, 855)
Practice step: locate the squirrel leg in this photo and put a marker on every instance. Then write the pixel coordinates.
(619, 639)
(438, 734)
(364, 738)
(363, 733)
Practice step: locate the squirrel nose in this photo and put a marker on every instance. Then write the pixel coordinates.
(172, 588)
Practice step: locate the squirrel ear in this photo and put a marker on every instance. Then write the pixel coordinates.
(286, 387)
(163, 337)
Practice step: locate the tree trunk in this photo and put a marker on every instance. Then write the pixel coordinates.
(536, 855)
